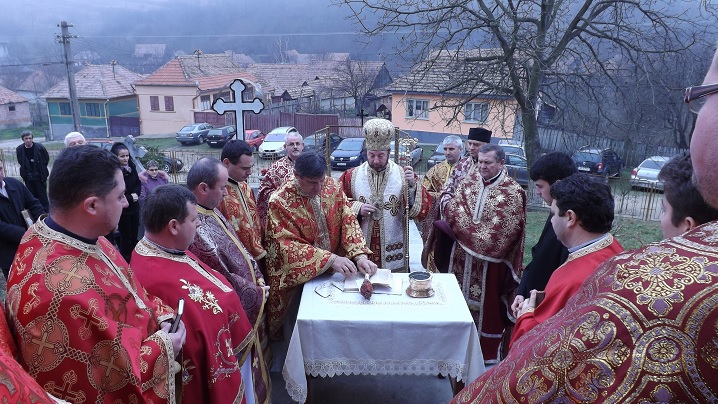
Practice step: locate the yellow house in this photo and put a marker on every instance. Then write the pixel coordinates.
(440, 96)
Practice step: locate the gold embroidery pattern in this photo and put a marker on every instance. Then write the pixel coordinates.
(206, 298)
(659, 276)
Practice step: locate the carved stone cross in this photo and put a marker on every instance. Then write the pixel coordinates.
(220, 106)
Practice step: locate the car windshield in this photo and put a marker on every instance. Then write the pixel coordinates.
(512, 149)
(439, 148)
(652, 164)
(275, 138)
(580, 156)
(187, 128)
(353, 145)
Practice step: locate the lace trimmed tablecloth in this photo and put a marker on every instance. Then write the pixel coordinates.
(388, 335)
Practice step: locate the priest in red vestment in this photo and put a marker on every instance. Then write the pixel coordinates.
(642, 327)
(86, 330)
(581, 216)
(310, 231)
(278, 173)
(219, 335)
(218, 246)
(487, 214)
(433, 182)
(239, 206)
(379, 191)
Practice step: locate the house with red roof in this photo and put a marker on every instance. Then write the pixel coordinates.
(14, 110)
(107, 103)
(183, 90)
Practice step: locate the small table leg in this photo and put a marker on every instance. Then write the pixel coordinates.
(456, 386)
(309, 388)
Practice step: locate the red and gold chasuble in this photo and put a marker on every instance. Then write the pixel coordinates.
(240, 210)
(489, 222)
(217, 246)
(384, 189)
(642, 328)
(304, 236)
(87, 331)
(279, 173)
(218, 332)
(565, 281)
(434, 180)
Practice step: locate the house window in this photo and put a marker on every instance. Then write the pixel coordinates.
(476, 112)
(154, 103)
(65, 108)
(11, 108)
(92, 109)
(205, 102)
(169, 103)
(417, 109)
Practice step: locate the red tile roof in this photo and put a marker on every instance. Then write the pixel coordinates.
(171, 74)
(98, 82)
(10, 97)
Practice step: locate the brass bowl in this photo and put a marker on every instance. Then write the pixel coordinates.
(420, 281)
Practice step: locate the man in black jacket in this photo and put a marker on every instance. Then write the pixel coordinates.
(33, 159)
(14, 198)
(548, 253)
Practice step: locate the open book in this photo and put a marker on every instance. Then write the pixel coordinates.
(383, 281)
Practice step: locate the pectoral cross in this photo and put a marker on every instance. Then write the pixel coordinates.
(221, 106)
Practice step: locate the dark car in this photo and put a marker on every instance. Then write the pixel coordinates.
(438, 156)
(254, 138)
(217, 137)
(351, 152)
(195, 133)
(603, 162)
(517, 168)
(318, 142)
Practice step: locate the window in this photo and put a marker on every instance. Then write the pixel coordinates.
(169, 103)
(417, 109)
(11, 108)
(476, 111)
(92, 109)
(154, 103)
(204, 102)
(65, 108)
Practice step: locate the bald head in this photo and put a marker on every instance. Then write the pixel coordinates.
(703, 151)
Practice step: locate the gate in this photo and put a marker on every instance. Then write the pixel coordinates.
(122, 126)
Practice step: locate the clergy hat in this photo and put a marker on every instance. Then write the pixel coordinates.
(480, 134)
(378, 133)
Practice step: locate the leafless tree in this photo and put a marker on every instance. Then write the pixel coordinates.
(533, 42)
(355, 78)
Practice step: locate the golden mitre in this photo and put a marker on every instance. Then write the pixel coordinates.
(379, 134)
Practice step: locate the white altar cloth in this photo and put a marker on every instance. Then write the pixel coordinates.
(387, 335)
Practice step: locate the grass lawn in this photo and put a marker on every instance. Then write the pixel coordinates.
(9, 134)
(631, 233)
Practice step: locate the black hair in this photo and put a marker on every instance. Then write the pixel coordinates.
(310, 164)
(234, 150)
(589, 198)
(204, 170)
(80, 172)
(682, 194)
(490, 147)
(165, 203)
(552, 167)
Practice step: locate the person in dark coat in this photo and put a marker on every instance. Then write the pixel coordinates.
(14, 198)
(548, 253)
(130, 219)
(33, 159)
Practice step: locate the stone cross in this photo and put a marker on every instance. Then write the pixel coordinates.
(220, 106)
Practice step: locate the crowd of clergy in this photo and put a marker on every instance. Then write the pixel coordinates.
(196, 310)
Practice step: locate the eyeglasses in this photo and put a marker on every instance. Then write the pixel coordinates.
(695, 96)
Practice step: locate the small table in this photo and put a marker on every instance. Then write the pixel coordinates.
(387, 335)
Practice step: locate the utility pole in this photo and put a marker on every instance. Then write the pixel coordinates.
(64, 39)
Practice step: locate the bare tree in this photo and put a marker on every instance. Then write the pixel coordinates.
(356, 79)
(533, 42)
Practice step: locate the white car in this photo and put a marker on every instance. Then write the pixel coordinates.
(273, 145)
(645, 176)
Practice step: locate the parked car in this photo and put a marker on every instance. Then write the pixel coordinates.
(318, 142)
(514, 149)
(217, 137)
(645, 176)
(351, 152)
(195, 133)
(438, 156)
(254, 138)
(416, 154)
(273, 145)
(517, 168)
(139, 152)
(603, 162)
